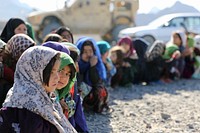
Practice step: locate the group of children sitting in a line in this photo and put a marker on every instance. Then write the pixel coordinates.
(43, 87)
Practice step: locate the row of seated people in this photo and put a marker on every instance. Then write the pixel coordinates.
(88, 67)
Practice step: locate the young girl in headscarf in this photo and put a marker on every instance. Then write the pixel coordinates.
(12, 27)
(90, 64)
(11, 53)
(30, 105)
(73, 107)
(127, 44)
(70, 102)
(65, 33)
(130, 55)
(117, 57)
(173, 56)
(14, 48)
(92, 72)
(104, 48)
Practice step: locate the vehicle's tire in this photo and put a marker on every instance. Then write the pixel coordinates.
(49, 24)
(149, 39)
(116, 30)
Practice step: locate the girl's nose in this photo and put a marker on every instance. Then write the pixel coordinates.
(57, 76)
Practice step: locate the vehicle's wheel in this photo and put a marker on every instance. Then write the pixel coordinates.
(49, 24)
(116, 31)
(149, 39)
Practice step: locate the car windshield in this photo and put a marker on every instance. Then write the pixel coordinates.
(160, 21)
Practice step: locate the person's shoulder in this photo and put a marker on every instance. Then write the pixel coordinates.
(30, 119)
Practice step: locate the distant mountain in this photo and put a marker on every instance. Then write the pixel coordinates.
(13, 8)
(178, 7)
(154, 10)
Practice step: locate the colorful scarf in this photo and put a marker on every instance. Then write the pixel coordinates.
(28, 92)
(65, 61)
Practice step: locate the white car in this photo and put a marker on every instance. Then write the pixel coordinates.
(162, 28)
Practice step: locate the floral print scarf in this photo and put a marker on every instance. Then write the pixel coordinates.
(18, 44)
(28, 92)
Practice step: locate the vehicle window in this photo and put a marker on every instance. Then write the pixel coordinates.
(176, 22)
(193, 22)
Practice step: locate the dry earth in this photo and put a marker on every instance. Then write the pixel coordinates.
(157, 108)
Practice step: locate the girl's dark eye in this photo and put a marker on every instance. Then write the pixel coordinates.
(68, 74)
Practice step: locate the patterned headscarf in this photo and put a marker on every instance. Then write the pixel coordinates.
(10, 27)
(18, 44)
(28, 92)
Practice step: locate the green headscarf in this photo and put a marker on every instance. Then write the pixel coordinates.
(190, 41)
(30, 31)
(169, 50)
(65, 61)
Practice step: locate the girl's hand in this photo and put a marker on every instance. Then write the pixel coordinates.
(63, 104)
(108, 66)
(175, 55)
(93, 61)
(188, 51)
(126, 64)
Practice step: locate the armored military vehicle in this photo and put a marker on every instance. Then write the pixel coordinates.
(103, 17)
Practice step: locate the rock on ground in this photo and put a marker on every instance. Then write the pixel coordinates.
(157, 108)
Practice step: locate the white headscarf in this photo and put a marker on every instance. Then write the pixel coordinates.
(182, 35)
(28, 92)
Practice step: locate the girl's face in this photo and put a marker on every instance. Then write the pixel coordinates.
(64, 77)
(113, 57)
(67, 36)
(87, 53)
(54, 78)
(21, 29)
(126, 47)
(176, 40)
